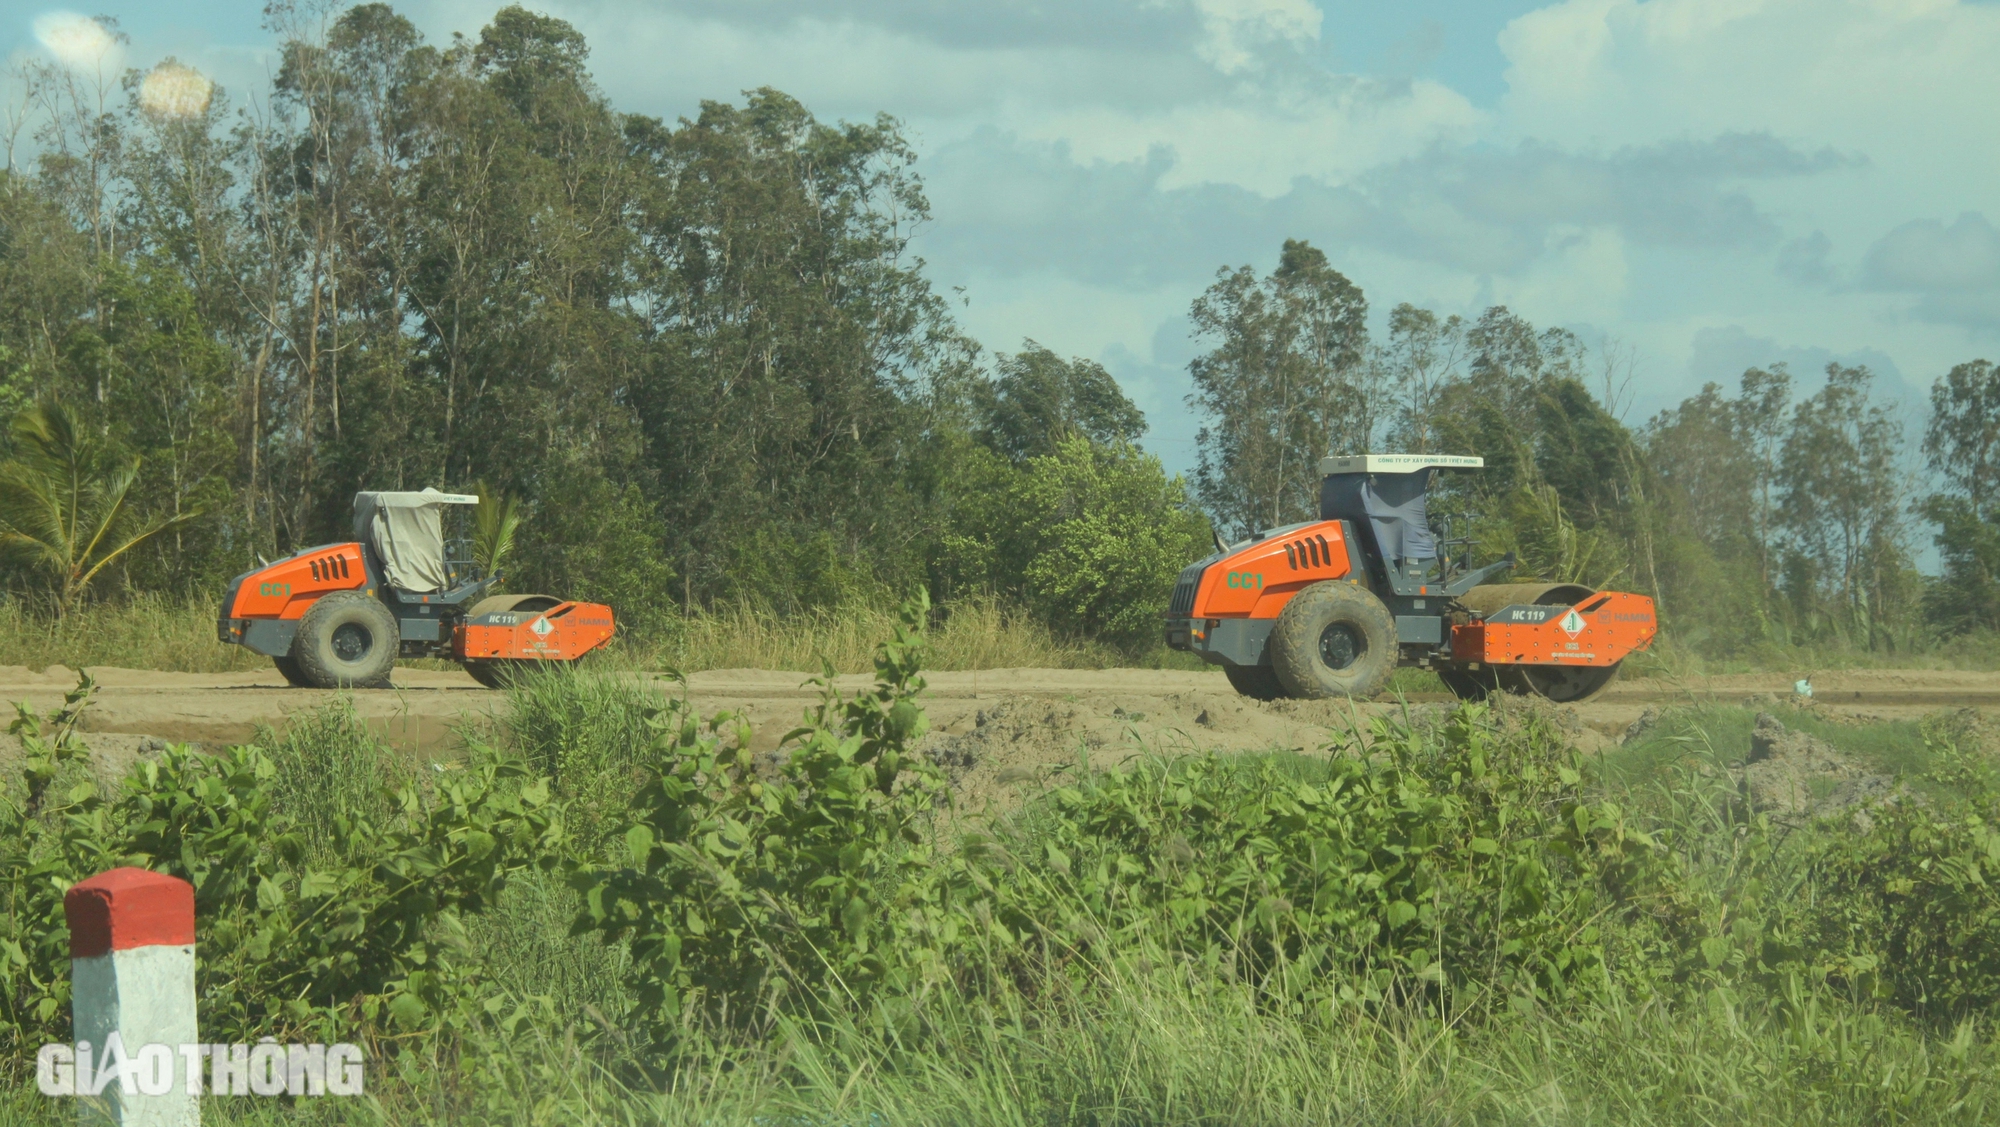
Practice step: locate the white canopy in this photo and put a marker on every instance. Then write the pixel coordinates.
(407, 532)
(1397, 463)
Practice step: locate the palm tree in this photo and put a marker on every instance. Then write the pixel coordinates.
(493, 525)
(64, 508)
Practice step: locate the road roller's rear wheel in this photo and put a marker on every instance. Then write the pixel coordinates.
(346, 641)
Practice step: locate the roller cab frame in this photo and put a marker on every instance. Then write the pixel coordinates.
(1331, 607)
(340, 615)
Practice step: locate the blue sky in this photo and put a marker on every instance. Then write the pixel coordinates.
(1711, 183)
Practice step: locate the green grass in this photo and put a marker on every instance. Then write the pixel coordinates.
(1143, 1038)
(1410, 682)
(158, 632)
(1720, 735)
(328, 764)
(1685, 656)
(1159, 1047)
(155, 632)
(144, 632)
(976, 634)
(1153, 1041)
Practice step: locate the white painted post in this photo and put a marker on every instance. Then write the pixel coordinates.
(131, 949)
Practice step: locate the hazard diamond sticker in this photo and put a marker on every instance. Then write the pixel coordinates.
(1572, 623)
(542, 627)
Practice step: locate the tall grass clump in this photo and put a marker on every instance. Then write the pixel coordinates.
(1688, 653)
(150, 631)
(974, 634)
(584, 732)
(327, 766)
(1162, 1049)
(145, 631)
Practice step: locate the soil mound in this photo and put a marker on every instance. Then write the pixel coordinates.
(1795, 776)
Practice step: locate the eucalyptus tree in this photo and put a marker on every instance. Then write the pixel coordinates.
(791, 344)
(1283, 384)
(1037, 399)
(1842, 506)
(1962, 446)
(1424, 355)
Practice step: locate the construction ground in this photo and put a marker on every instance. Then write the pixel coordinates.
(996, 732)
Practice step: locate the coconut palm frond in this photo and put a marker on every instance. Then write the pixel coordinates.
(494, 523)
(65, 508)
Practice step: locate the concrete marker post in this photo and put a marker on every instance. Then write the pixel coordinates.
(131, 948)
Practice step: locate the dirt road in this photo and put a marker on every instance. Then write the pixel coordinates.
(994, 729)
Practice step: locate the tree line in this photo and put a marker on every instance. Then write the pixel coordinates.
(700, 353)
(1759, 515)
(706, 362)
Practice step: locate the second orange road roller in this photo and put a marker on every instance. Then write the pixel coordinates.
(1331, 607)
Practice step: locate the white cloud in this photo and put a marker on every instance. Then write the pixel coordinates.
(1265, 144)
(1581, 276)
(1235, 32)
(1906, 86)
(1805, 260)
(1008, 206)
(1924, 255)
(1110, 97)
(1911, 84)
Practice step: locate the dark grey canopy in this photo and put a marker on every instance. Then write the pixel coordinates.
(1393, 504)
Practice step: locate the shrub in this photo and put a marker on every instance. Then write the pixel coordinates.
(356, 921)
(739, 894)
(1908, 908)
(1467, 860)
(1090, 537)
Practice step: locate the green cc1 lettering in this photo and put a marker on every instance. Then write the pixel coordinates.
(275, 590)
(1246, 580)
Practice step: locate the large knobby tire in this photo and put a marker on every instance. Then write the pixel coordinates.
(348, 640)
(288, 667)
(1334, 640)
(499, 673)
(1258, 682)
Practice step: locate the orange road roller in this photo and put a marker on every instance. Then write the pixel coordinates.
(1330, 608)
(339, 615)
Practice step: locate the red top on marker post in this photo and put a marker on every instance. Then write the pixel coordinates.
(127, 908)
